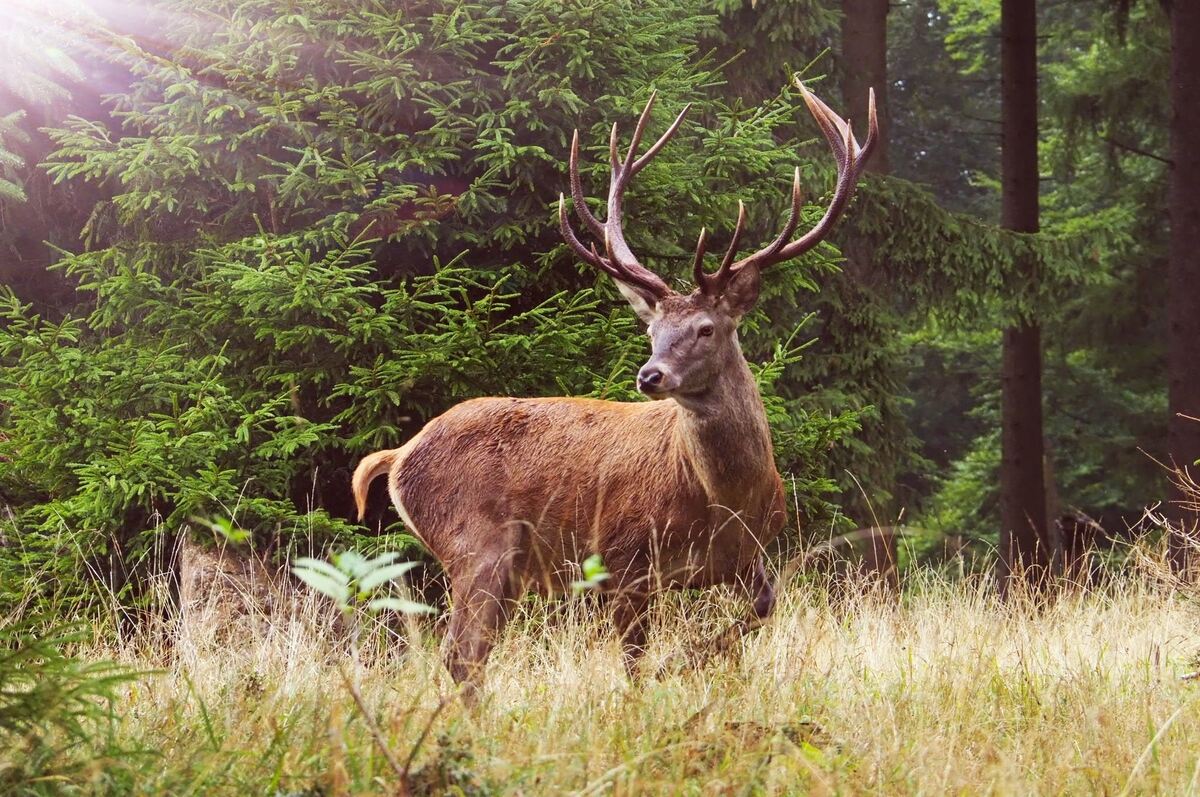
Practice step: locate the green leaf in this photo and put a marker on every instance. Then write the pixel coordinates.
(331, 588)
(401, 605)
(385, 558)
(594, 569)
(383, 575)
(353, 563)
(323, 567)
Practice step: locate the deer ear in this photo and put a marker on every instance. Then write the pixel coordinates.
(643, 302)
(742, 291)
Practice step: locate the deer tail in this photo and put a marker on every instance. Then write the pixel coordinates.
(371, 466)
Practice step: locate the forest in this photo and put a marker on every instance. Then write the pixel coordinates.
(245, 244)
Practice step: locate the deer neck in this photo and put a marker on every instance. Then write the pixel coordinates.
(724, 437)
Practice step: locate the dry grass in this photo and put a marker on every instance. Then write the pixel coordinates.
(949, 693)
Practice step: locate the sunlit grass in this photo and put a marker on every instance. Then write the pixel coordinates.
(949, 693)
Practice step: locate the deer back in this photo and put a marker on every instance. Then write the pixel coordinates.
(561, 479)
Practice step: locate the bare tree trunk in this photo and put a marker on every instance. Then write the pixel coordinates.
(1023, 534)
(864, 68)
(1183, 272)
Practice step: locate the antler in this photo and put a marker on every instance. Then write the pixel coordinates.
(851, 159)
(618, 261)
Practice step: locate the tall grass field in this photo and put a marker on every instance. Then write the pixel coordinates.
(255, 690)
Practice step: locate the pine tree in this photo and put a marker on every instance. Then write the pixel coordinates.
(322, 228)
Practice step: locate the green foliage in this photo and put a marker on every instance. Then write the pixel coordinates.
(319, 229)
(304, 233)
(594, 574)
(40, 43)
(971, 39)
(945, 121)
(932, 268)
(43, 41)
(1105, 142)
(961, 270)
(1100, 268)
(11, 161)
(355, 582)
(764, 42)
(56, 712)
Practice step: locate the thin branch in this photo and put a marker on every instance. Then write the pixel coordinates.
(1136, 150)
(412, 754)
(404, 771)
(376, 733)
(973, 118)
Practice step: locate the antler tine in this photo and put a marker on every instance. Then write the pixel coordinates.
(785, 235)
(629, 270)
(613, 160)
(714, 283)
(872, 133)
(833, 127)
(844, 188)
(713, 287)
(638, 130)
(584, 254)
(620, 261)
(618, 250)
(641, 162)
(643, 278)
(589, 219)
(698, 263)
(851, 160)
(737, 237)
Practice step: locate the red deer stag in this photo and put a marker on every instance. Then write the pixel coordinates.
(678, 492)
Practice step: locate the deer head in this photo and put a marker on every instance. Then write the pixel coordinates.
(694, 336)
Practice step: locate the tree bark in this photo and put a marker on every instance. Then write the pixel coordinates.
(1183, 279)
(1023, 534)
(864, 67)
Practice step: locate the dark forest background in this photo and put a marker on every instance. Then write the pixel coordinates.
(244, 242)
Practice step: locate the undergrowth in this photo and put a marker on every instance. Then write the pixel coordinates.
(948, 691)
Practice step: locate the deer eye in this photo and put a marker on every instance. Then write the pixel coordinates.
(705, 330)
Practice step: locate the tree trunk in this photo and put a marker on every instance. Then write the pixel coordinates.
(1023, 533)
(1183, 277)
(864, 68)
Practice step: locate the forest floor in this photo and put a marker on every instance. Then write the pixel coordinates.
(950, 692)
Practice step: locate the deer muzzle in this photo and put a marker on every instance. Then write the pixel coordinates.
(656, 381)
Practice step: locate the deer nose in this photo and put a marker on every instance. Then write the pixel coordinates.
(650, 378)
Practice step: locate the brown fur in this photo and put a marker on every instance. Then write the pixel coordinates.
(371, 466)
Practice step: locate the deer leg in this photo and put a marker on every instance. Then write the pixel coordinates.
(480, 613)
(483, 602)
(762, 594)
(763, 591)
(629, 615)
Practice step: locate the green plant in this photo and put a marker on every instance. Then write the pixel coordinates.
(57, 712)
(316, 230)
(354, 582)
(594, 575)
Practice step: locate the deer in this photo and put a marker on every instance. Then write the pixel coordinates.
(681, 491)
